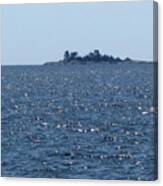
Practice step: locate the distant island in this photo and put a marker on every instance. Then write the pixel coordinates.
(92, 57)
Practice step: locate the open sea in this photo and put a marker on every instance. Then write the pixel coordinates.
(92, 121)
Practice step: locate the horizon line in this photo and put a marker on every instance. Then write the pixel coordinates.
(41, 64)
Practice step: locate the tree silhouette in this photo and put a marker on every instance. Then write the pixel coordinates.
(94, 56)
(66, 56)
(73, 55)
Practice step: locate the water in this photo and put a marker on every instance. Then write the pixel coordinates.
(92, 121)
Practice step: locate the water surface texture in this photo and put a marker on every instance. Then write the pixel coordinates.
(93, 121)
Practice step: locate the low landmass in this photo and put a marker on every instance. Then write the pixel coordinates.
(92, 57)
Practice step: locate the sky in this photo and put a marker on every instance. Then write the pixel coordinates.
(36, 33)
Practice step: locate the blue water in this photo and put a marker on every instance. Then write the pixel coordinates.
(94, 121)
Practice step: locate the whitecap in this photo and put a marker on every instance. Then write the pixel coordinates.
(80, 130)
(44, 124)
(144, 113)
(152, 109)
(58, 126)
(139, 108)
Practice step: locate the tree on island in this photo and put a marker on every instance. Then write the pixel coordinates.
(97, 55)
(66, 56)
(70, 56)
(73, 55)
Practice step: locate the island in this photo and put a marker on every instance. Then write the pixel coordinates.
(92, 57)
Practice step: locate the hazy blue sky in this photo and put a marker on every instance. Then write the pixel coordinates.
(35, 33)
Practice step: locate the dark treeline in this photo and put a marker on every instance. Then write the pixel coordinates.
(95, 56)
(92, 57)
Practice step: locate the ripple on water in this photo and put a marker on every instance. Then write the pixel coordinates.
(78, 121)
